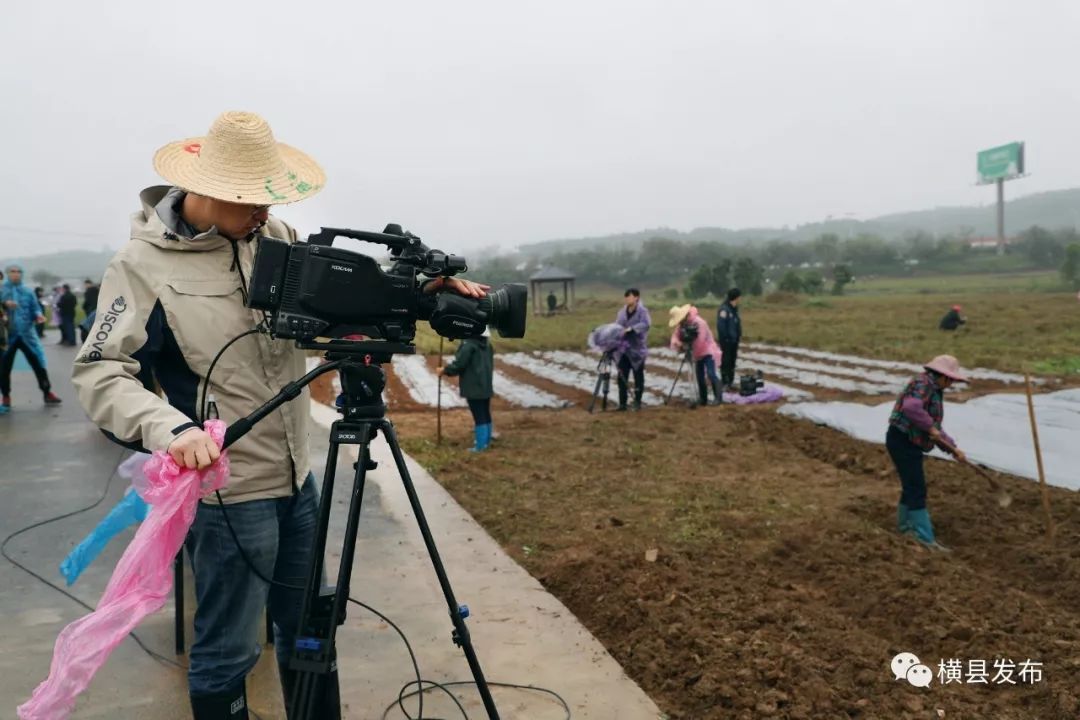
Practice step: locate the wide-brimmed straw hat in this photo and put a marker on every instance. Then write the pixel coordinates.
(948, 366)
(677, 314)
(240, 162)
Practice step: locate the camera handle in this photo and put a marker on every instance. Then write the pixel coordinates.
(313, 694)
(404, 247)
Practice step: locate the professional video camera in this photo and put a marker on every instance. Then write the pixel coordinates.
(313, 289)
(688, 333)
(750, 384)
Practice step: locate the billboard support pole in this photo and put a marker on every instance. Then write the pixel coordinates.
(1001, 215)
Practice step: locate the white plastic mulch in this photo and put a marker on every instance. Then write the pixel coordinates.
(975, 374)
(423, 384)
(993, 430)
(668, 359)
(525, 395)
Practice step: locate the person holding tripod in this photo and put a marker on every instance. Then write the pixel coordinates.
(633, 348)
(729, 333)
(170, 300)
(691, 331)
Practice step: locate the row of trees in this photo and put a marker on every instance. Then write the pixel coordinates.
(662, 261)
(717, 279)
(812, 282)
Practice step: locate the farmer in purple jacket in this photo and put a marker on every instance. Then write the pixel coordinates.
(631, 352)
(915, 429)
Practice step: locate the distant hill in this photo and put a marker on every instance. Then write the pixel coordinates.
(1053, 210)
(68, 265)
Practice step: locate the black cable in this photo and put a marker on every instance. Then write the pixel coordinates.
(210, 371)
(463, 683)
(62, 591)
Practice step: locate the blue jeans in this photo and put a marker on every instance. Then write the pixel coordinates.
(706, 365)
(277, 536)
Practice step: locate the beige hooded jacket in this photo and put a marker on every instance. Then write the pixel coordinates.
(168, 304)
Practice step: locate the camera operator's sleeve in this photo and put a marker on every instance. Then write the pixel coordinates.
(113, 372)
(461, 360)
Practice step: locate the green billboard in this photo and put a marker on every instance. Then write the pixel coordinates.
(1001, 163)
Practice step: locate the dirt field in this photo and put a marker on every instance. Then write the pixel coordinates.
(779, 588)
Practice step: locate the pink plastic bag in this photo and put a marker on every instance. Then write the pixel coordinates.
(139, 585)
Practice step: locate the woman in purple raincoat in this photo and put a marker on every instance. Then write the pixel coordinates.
(630, 355)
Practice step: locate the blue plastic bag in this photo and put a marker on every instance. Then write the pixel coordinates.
(130, 510)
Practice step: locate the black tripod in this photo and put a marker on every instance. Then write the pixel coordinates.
(603, 381)
(312, 687)
(687, 359)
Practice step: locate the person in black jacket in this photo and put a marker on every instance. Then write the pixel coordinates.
(728, 334)
(90, 296)
(953, 319)
(67, 306)
(39, 328)
(89, 304)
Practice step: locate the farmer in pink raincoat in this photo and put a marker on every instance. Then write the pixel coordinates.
(692, 330)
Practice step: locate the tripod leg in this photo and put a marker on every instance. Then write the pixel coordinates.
(178, 585)
(312, 671)
(675, 382)
(458, 613)
(596, 391)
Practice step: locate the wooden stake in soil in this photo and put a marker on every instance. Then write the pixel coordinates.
(1038, 459)
(438, 400)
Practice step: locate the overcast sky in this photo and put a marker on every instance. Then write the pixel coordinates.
(480, 124)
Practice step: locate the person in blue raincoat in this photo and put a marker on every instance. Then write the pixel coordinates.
(23, 311)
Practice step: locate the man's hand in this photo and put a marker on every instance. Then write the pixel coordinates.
(439, 372)
(194, 449)
(935, 434)
(11, 304)
(39, 319)
(465, 288)
(959, 455)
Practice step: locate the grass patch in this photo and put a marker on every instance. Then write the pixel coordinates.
(1015, 322)
(1060, 366)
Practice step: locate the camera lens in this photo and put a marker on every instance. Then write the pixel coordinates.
(505, 309)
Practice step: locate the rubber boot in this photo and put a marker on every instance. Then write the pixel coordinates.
(220, 706)
(622, 394)
(482, 435)
(924, 530)
(638, 391)
(903, 522)
(718, 391)
(703, 395)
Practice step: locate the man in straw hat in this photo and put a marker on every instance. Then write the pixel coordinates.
(169, 301)
(915, 429)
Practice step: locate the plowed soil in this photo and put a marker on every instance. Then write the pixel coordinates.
(744, 565)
